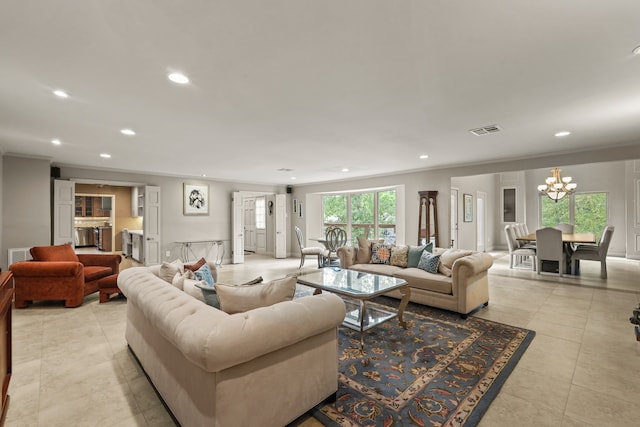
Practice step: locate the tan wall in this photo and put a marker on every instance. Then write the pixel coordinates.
(122, 217)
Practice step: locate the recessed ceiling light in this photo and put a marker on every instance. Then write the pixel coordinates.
(563, 133)
(424, 156)
(55, 141)
(636, 50)
(293, 177)
(127, 132)
(345, 169)
(179, 78)
(105, 156)
(60, 93)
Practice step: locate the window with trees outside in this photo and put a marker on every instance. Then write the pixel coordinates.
(371, 214)
(586, 211)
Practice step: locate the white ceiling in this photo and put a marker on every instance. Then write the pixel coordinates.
(314, 85)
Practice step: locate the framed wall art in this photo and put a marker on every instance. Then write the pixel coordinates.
(196, 199)
(468, 208)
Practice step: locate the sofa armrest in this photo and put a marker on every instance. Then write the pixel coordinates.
(105, 260)
(347, 256)
(46, 269)
(466, 268)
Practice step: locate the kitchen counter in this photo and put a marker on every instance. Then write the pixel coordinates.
(137, 232)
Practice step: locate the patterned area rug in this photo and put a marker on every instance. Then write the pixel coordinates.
(441, 371)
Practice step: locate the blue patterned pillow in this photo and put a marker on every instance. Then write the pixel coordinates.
(380, 253)
(210, 295)
(415, 252)
(204, 273)
(429, 262)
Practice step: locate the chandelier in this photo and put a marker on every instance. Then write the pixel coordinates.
(556, 186)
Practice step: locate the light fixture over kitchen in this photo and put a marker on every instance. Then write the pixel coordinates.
(556, 186)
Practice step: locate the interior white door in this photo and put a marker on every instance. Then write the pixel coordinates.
(481, 223)
(249, 204)
(261, 224)
(237, 236)
(64, 196)
(152, 226)
(281, 226)
(454, 218)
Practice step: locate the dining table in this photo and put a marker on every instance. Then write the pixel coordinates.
(568, 239)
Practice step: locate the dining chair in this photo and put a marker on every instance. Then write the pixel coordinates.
(550, 248)
(565, 228)
(520, 229)
(311, 250)
(335, 238)
(517, 254)
(595, 252)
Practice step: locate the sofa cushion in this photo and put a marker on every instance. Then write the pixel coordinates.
(384, 269)
(450, 256)
(364, 250)
(204, 273)
(211, 296)
(96, 272)
(399, 256)
(189, 287)
(238, 299)
(429, 262)
(415, 252)
(421, 279)
(54, 253)
(380, 253)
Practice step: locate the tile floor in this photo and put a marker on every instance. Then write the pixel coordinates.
(71, 367)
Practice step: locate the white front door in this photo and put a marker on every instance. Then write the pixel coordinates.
(152, 226)
(237, 232)
(63, 212)
(454, 218)
(481, 223)
(281, 226)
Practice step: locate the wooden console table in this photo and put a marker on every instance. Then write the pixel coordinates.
(6, 300)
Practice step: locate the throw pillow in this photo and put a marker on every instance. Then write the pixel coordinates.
(450, 256)
(399, 256)
(415, 252)
(179, 278)
(380, 253)
(54, 253)
(204, 273)
(211, 295)
(168, 270)
(238, 299)
(196, 266)
(364, 251)
(429, 262)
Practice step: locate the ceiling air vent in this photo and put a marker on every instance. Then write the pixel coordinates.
(486, 130)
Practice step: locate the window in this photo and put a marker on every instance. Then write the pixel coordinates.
(508, 205)
(587, 211)
(260, 214)
(371, 214)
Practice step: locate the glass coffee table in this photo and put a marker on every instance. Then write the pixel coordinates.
(357, 288)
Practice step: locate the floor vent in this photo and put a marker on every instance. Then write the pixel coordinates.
(19, 254)
(486, 130)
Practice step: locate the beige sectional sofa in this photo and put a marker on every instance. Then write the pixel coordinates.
(265, 367)
(461, 286)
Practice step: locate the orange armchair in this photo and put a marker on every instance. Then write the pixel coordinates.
(58, 273)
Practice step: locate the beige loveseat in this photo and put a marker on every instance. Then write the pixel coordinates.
(466, 289)
(264, 367)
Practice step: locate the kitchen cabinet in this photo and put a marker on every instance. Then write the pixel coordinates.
(84, 206)
(92, 206)
(137, 201)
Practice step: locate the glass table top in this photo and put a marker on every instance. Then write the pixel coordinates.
(350, 282)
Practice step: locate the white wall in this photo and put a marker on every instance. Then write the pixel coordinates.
(26, 203)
